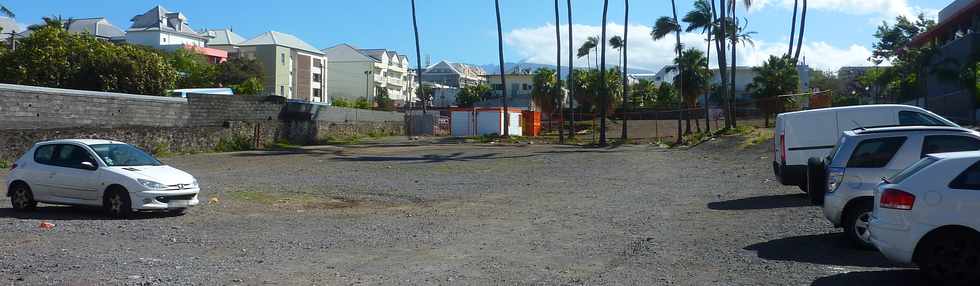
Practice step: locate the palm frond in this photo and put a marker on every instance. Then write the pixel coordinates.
(663, 27)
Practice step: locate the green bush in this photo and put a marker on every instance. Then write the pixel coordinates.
(234, 143)
(340, 102)
(362, 103)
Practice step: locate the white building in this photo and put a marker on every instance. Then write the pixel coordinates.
(356, 73)
(162, 29)
(292, 68)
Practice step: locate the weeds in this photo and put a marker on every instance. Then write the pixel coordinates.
(234, 143)
(5, 164)
(161, 149)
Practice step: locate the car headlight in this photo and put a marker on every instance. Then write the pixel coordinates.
(193, 185)
(834, 179)
(152, 185)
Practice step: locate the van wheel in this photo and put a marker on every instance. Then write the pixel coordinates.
(21, 197)
(857, 219)
(117, 204)
(816, 179)
(952, 258)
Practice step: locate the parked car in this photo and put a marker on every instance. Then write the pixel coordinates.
(927, 215)
(802, 135)
(844, 184)
(116, 176)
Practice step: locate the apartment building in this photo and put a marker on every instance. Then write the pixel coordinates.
(162, 29)
(364, 73)
(291, 67)
(454, 74)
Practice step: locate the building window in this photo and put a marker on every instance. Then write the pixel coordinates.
(282, 58)
(317, 77)
(317, 63)
(316, 93)
(282, 90)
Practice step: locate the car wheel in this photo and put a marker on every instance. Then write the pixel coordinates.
(21, 198)
(816, 179)
(857, 224)
(952, 258)
(117, 203)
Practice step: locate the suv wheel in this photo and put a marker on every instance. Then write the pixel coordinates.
(857, 224)
(952, 258)
(21, 198)
(117, 203)
(816, 179)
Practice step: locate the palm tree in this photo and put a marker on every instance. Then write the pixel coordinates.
(701, 18)
(503, 77)
(604, 86)
(777, 76)
(799, 40)
(616, 42)
(586, 49)
(680, 68)
(720, 45)
(6, 12)
(693, 80)
(418, 55)
(792, 29)
(734, 36)
(571, 69)
(627, 103)
(557, 87)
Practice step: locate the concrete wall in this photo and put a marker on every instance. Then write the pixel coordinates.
(195, 124)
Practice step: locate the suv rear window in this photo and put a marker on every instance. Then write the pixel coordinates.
(875, 153)
(917, 118)
(948, 143)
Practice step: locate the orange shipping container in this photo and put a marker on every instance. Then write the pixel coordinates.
(532, 123)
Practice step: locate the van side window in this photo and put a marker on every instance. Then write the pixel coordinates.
(968, 180)
(948, 143)
(44, 154)
(906, 118)
(875, 153)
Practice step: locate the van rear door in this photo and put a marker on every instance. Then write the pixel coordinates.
(813, 134)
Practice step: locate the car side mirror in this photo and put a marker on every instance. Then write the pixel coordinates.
(89, 166)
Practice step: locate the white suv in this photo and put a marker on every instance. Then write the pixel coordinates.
(928, 215)
(116, 176)
(863, 157)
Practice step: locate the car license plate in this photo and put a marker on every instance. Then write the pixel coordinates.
(178, 204)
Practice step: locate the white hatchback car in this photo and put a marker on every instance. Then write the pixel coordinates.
(116, 176)
(927, 215)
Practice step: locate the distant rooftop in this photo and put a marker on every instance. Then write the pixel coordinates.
(281, 39)
(99, 27)
(160, 19)
(223, 37)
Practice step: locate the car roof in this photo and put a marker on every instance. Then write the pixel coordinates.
(957, 155)
(869, 106)
(906, 129)
(81, 141)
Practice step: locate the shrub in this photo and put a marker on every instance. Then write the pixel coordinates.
(234, 143)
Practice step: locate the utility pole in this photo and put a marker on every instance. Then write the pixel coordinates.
(503, 78)
(558, 93)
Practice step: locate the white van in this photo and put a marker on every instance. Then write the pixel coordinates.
(813, 133)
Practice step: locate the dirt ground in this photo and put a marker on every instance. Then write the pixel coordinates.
(407, 213)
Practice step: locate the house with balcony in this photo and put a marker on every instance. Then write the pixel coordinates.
(162, 29)
(291, 67)
(956, 39)
(365, 73)
(454, 74)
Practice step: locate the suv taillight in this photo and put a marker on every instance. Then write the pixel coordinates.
(895, 199)
(782, 148)
(834, 178)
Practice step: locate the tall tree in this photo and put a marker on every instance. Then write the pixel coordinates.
(627, 102)
(544, 83)
(571, 69)
(734, 38)
(693, 80)
(616, 42)
(503, 77)
(777, 76)
(701, 18)
(586, 49)
(418, 59)
(799, 39)
(557, 87)
(720, 45)
(604, 90)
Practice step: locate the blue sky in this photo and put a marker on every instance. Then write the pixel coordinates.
(839, 32)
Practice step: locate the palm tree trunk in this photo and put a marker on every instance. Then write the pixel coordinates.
(680, 71)
(707, 93)
(418, 57)
(720, 44)
(627, 103)
(799, 41)
(602, 77)
(503, 78)
(792, 29)
(734, 35)
(558, 93)
(571, 79)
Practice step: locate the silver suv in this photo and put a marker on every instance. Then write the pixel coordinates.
(845, 181)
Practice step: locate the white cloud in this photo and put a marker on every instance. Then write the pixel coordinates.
(537, 45)
(884, 9)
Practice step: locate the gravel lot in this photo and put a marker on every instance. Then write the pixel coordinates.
(448, 214)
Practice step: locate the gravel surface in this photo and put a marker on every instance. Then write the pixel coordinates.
(453, 214)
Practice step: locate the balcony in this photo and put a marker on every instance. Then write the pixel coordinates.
(378, 78)
(396, 81)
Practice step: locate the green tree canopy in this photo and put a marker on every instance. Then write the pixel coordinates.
(777, 76)
(237, 70)
(470, 95)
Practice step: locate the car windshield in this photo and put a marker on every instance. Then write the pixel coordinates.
(908, 172)
(122, 155)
